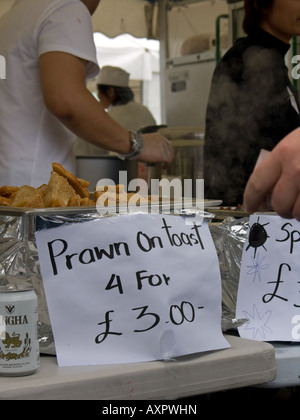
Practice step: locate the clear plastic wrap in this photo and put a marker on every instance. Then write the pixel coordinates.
(229, 237)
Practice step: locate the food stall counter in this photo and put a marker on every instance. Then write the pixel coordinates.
(245, 363)
(287, 356)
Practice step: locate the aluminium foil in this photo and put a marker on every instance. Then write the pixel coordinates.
(19, 261)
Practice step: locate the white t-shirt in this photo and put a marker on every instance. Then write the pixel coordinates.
(31, 138)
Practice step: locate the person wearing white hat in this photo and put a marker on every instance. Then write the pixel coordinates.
(113, 76)
(117, 98)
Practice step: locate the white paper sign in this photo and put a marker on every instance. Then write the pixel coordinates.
(269, 285)
(131, 288)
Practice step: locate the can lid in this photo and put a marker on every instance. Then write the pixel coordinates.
(8, 288)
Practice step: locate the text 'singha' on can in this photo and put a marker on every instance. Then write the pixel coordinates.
(19, 345)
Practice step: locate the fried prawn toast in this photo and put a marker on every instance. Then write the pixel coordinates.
(27, 196)
(82, 202)
(62, 190)
(5, 201)
(111, 191)
(116, 194)
(8, 191)
(59, 192)
(79, 187)
(66, 190)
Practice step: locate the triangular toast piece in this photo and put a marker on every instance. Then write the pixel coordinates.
(27, 196)
(59, 191)
(77, 184)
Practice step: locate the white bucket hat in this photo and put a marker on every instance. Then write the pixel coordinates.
(113, 76)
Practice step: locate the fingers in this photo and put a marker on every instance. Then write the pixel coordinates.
(285, 197)
(261, 183)
(157, 149)
(281, 184)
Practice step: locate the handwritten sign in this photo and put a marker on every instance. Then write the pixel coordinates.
(131, 288)
(269, 285)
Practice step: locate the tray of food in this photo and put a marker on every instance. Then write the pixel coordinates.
(65, 193)
(64, 190)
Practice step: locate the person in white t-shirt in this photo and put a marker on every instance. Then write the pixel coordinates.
(49, 53)
(117, 98)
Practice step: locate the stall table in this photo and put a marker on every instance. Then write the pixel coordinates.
(245, 363)
(287, 356)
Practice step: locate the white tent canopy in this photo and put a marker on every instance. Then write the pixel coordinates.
(139, 57)
(135, 17)
(115, 17)
(140, 17)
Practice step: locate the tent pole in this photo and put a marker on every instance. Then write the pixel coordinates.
(164, 52)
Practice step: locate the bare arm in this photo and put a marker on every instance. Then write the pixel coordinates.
(66, 96)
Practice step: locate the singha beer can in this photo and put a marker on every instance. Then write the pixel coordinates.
(19, 345)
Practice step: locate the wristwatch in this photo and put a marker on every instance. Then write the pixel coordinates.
(137, 144)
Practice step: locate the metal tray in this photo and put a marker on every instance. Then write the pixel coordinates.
(165, 204)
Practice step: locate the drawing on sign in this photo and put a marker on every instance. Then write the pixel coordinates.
(256, 267)
(258, 323)
(257, 236)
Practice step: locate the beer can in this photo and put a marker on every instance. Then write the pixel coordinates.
(19, 345)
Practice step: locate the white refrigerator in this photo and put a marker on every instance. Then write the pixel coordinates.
(187, 85)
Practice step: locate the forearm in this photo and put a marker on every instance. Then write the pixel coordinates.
(66, 97)
(88, 120)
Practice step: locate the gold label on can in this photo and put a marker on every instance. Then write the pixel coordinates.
(19, 347)
(13, 341)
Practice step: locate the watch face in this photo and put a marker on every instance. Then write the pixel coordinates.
(139, 141)
(135, 145)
